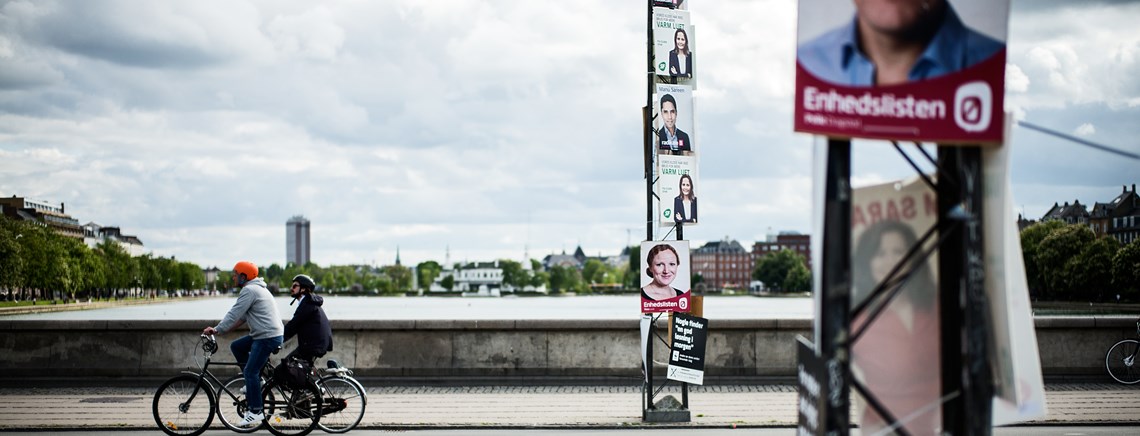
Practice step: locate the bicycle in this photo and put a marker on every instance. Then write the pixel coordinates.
(178, 408)
(1120, 361)
(344, 398)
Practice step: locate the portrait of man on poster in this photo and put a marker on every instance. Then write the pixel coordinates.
(670, 139)
(890, 42)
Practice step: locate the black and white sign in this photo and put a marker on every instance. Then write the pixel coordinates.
(687, 359)
(810, 407)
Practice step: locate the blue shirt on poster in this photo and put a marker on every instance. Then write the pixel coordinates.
(835, 56)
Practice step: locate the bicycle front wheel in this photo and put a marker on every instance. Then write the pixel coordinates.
(232, 405)
(292, 412)
(343, 404)
(183, 406)
(1121, 362)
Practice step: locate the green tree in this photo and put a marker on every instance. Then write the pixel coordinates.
(565, 279)
(1126, 270)
(1055, 257)
(448, 282)
(192, 277)
(121, 271)
(1031, 239)
(275, 275)
(88, 266)
(593, 272)
(47, 267)
(426, 272)
(632, 279)
(12, 262)
(773, 269)
(401, 277)
(513, 273)
(225, 282)
(798, 279)
(1091, 270)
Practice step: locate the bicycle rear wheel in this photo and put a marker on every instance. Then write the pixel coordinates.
(232, 405)
(183, 406)
(343, 402)
(1121, 362)
(292, 412)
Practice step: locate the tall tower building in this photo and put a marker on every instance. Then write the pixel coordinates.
(297, 240)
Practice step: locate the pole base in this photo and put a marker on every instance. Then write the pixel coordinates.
(667, 410)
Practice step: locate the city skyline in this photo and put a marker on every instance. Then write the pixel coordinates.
(486, 129)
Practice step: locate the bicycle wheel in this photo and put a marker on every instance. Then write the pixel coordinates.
(292, 412)
(232, 405)
(183, 405)
(1121, 362)
(343, 404)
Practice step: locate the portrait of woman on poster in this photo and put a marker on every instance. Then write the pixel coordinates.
(663, 265)
(680, 58)
(685, 204)
(897, 358)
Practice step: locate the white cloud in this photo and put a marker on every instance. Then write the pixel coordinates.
(1015, 80)
(481, 127)
(1085, 129)
(312, 33)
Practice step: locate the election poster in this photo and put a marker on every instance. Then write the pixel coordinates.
(687, 354)
(672, 43)
(646, 325)
(673, 124)
(676, 190)
(812, 389)
(930, 71)
(665, 279)
(898, 355)
(1019, 390)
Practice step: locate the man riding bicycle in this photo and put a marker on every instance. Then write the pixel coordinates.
(255, 307)
(309, 323)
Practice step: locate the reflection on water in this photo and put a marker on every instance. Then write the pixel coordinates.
(410, 308)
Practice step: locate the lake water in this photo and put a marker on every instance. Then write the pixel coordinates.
(424, 308)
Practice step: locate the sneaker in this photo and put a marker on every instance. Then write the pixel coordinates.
(251, 419)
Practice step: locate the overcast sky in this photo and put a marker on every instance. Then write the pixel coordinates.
(483, 127)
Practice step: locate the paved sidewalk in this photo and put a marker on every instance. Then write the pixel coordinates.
(524, 406)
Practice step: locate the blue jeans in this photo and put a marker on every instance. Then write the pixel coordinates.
(252, 354)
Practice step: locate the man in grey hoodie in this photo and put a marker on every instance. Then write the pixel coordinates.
(255, 307)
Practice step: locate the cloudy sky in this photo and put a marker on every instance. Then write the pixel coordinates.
(485, 128)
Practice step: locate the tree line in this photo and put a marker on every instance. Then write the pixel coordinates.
(37, 263)
(1068, 262)
(1063, 262)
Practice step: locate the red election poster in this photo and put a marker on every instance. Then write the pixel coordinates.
(665, 276)
(931, 71)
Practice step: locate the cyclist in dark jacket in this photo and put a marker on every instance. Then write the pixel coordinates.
(309, 323)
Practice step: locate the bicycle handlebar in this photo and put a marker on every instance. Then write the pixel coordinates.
(209, 344)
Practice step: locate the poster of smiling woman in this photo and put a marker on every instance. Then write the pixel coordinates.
(672, 43)
(665, 277)
(676, 189)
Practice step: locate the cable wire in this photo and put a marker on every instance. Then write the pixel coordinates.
(1079, 140)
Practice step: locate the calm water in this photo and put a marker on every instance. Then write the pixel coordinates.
(413, 308)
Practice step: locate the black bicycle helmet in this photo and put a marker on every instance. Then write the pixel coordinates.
(306, 282)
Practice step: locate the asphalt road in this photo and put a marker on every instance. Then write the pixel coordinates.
(657, 431)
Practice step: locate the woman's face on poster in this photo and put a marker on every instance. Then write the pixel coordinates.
(664, 267)
(680, 40)
(892, 248)
(686, 187)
